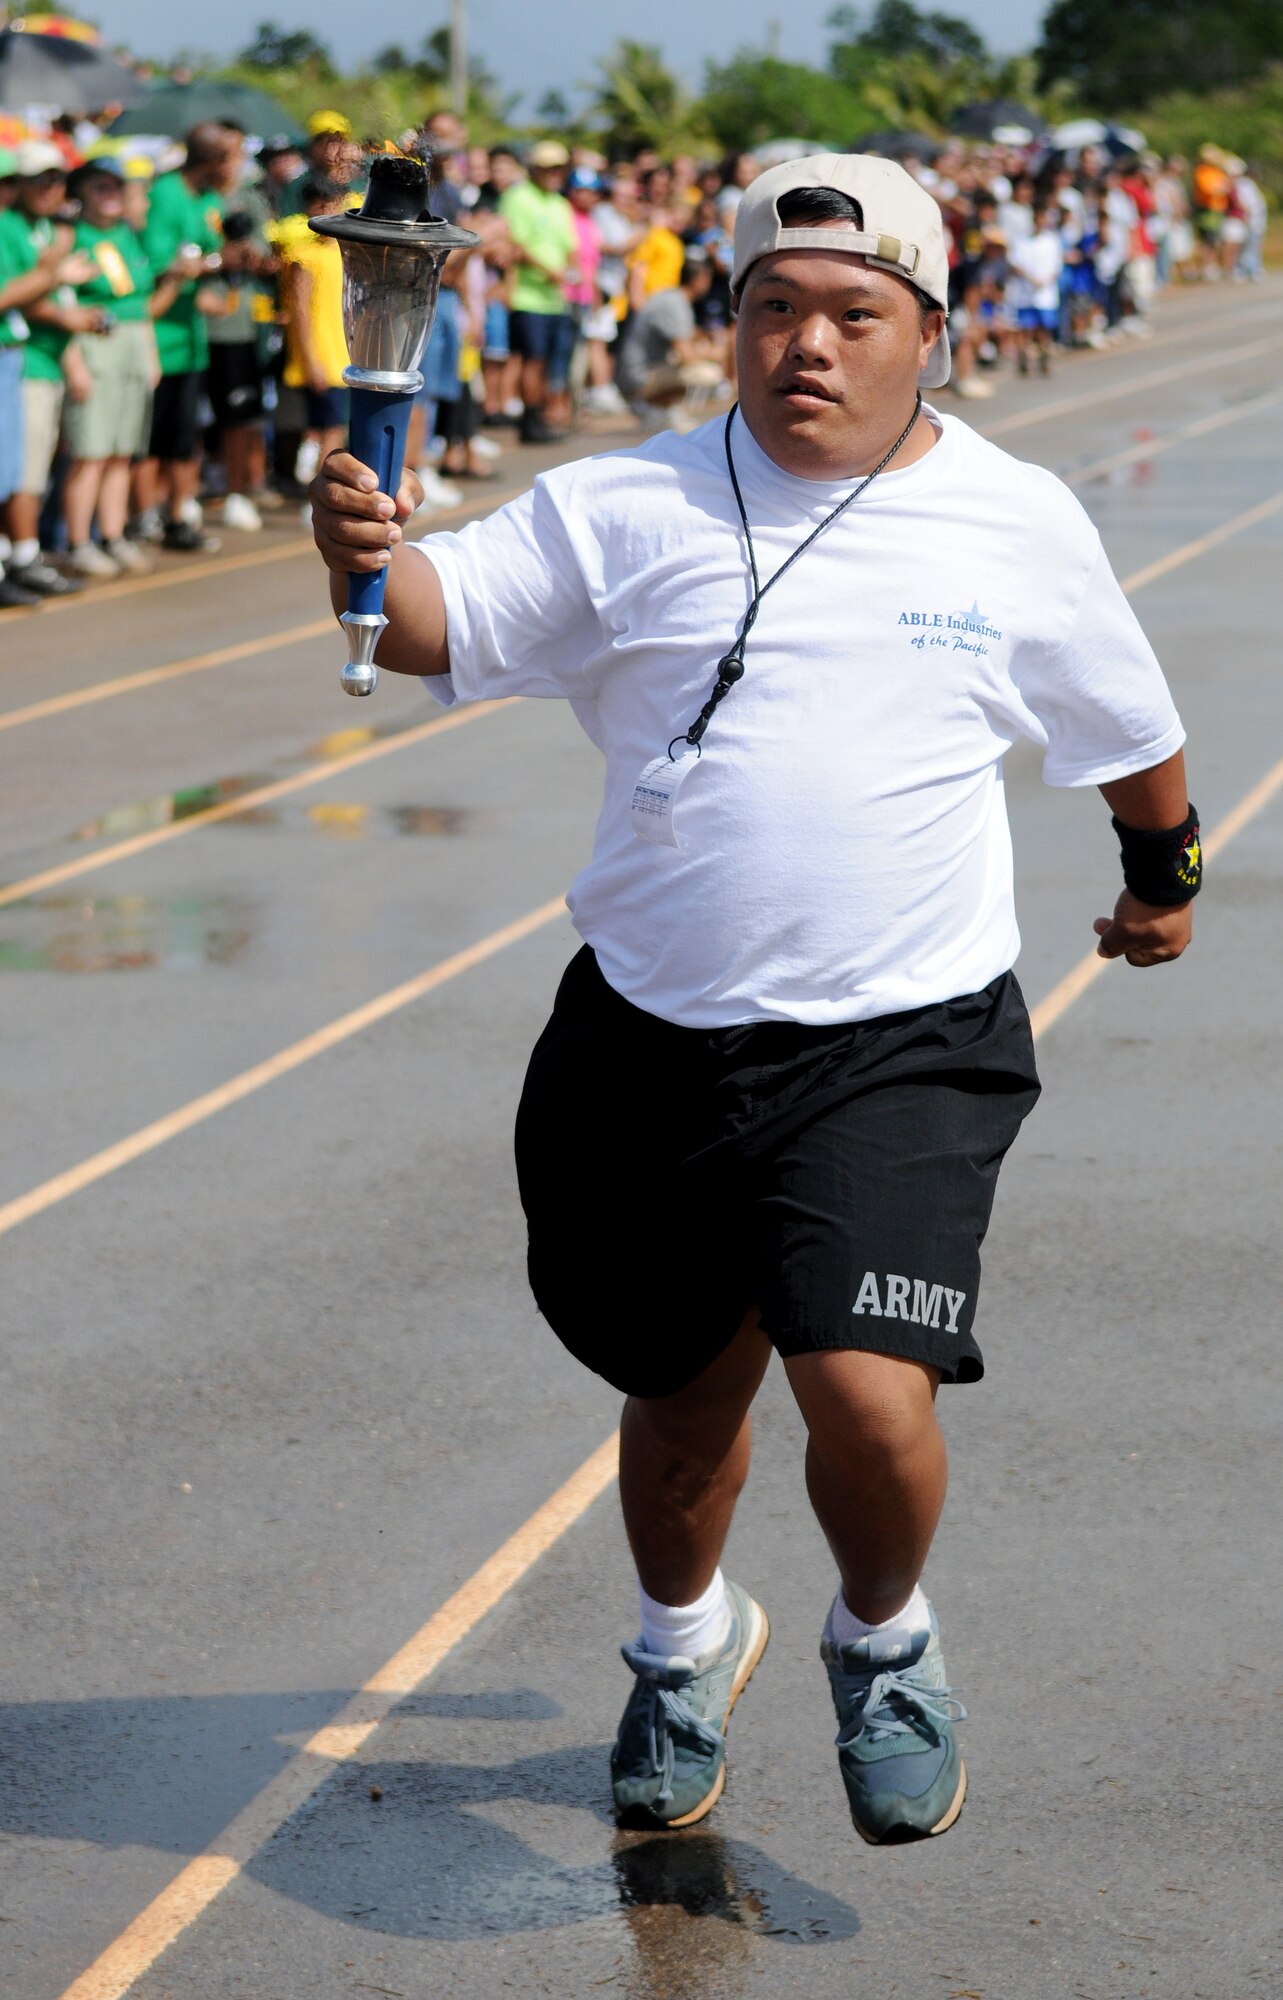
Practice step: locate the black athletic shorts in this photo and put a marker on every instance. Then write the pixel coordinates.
(175, 408)
(235, 383)
(838, 1179)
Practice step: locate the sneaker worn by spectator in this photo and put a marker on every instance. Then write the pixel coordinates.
(41, 577)
(16, 596)
(535, 431)
(185, 539)
(897, 1752)
(149, 526)
(240, 513)
(668, 1766)
(88, 559)
(130, 555)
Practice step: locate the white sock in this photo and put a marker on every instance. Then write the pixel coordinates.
(844, 1627)
(190, 513)
(690, 1630)
(6, 550)
(26, 552)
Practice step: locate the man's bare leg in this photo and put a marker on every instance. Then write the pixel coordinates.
(876, 1470)
(683, 1463)
(683, 1460)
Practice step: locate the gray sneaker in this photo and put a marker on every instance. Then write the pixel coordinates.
(668, 1766)
(904, 1777)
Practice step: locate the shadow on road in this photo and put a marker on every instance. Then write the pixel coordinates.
(401, 1844)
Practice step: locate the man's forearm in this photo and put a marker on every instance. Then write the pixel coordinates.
(1150, 800)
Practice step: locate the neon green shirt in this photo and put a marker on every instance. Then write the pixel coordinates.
(544, 224)
(22, 242)
(179, 216)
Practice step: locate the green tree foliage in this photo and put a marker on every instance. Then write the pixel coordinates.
(553, 109)
(754, 97)
(1248, 122)
(276, 48)
(896, 29)
(1124, 56)
(637, 101)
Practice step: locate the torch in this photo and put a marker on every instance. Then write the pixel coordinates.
(393, 249)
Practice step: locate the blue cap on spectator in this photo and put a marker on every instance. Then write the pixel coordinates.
(584, 177)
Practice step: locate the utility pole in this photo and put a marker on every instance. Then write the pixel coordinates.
(773, 39)
(458, 59)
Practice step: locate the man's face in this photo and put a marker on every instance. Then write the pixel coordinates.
(285, 167)
(446, 132)
(548, 178)
(829, 353)
(42, 194)
(504, 171)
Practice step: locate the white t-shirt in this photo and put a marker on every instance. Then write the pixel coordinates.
(1038, 263)
(844, 844)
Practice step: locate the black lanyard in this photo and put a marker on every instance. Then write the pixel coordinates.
(731, 668)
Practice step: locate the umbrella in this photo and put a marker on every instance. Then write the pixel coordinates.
(58, 70)
(174, 108)
(776, 152)
(1116, 139)
(995, 117)
(894, 145)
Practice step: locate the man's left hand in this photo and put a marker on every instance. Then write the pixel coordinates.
(1144, 933)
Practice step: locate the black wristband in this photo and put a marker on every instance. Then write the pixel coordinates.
(1163, 867)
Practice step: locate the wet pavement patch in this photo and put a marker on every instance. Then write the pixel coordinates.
(337, 817)
(124, 933)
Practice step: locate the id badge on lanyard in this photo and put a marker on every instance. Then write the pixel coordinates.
(654, 799)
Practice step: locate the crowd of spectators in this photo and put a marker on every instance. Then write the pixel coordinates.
(171, 341)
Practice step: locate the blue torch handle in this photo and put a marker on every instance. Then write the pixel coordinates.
(378, 420)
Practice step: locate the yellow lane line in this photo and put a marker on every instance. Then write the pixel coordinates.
(1165, 564)
(1134, 385)
(193, 1890)
(139, 843)
(58, 704)
(323, 1039)
(1154, 447)
(203, 1880)
(161, 579)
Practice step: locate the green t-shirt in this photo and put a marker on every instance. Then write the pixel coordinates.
(177, 216)
(123, 282)
(22, 243)
(16, 259)
(542, 223)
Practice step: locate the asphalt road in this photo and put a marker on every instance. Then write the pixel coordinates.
(274, 1388)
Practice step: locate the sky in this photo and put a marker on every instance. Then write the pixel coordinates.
(533, 45)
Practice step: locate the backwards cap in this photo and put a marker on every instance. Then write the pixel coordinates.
(903, 231)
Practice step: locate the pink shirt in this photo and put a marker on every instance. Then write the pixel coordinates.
(587, 258)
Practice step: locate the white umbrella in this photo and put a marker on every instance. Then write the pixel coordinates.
(776, 151)
(1082, 132)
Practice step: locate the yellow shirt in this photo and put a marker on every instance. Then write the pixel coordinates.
(322, 260)
(660, 255)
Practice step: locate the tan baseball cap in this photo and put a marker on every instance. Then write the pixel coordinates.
(903, 231)
(548, 153)
(38, 156)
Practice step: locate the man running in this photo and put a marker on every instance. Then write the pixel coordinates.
(770, 1106)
